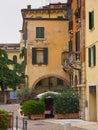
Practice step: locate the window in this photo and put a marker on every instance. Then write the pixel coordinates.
(78, 3)
(92, 56)
(59, 81)
(15, 58)
(78, 41)
(40, 56)
(39, 32)
(70, 46)
(91, 20)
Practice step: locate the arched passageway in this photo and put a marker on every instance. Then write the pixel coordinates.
(50, 83)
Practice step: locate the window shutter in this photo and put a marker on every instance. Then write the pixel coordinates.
(78, 41)
(89, 57)
(25, 58)
(70, 46)
(94, 54)
(33, 55)
(42, 32)
(91, 20)
(39, 32)
(45, 56)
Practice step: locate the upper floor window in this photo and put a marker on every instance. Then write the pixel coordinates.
(78, 41)
(70, 46)
(39, 32)
(91, 20)
(92, 56)
(78, 3)
(15, 58)
(40, 56)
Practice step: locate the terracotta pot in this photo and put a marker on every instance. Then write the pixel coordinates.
(38, 116)
(67, 116)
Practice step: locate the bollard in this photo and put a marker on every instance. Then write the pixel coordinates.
(25, 124)
(12, 120)
(67, 126)
(16, 122)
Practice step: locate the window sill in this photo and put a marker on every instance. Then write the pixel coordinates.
(92, 29)
(39, 65)
(40, 39)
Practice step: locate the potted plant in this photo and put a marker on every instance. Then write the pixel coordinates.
(66, 105)
(34, 109)
(4, 120)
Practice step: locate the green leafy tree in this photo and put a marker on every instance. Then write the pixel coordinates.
(9, 76)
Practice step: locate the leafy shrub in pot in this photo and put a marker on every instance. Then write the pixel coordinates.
(32, 107)
(66, 102)
(4, 120)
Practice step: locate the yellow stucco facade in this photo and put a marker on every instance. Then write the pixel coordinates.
(91, 60)
(54, 22)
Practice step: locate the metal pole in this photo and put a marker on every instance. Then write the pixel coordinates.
(12, 120)
(16, 122)
(25, 124)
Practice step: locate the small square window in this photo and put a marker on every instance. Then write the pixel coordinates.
(39, 32)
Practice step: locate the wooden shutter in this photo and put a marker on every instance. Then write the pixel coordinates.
(89, 57)
(78, 41)
(94, 55)
(91, 20)
(45, 56)
(33, 55)
(39, 32)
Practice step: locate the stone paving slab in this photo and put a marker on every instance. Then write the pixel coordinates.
(76, 123)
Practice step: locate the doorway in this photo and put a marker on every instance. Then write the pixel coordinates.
(92, 103)
(49, 107)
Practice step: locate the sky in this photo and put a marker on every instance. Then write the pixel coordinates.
(11, 18)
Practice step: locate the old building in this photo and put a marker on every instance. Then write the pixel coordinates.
(91, 59)
(75, 57)
(45, 36)
(13, 50)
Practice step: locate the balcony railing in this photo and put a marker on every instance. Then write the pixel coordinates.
(73, 61)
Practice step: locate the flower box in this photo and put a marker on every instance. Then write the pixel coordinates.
(38, 116)
(67, 116)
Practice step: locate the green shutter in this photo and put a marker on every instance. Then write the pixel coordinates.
(89, 57)
(25, 56)
(78, 41)
(33, 55)
(70, 46)
(91, 20)
(39, 32)
(45, 56)
(94, 54)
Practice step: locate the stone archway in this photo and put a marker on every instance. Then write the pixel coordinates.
(50, 82)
